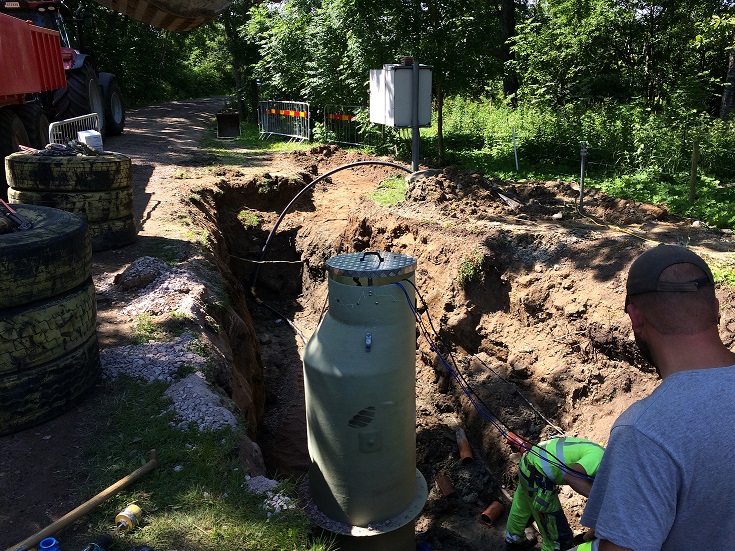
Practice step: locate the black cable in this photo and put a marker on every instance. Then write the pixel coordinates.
(485, 412)
(298, 196)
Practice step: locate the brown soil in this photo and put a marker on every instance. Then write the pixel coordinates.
(537, 329)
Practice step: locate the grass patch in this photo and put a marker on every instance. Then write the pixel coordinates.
(197, 498)
(722, 270)
(236, 151)
(146, 329)
(160, 328)
(390, 191)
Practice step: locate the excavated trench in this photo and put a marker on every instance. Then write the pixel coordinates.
(524, 311)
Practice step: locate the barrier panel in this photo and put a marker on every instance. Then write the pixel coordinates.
(284, 118)
(342, 124)
(66, 130)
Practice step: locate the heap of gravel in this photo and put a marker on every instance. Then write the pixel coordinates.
(157, 289)
(275, 502)
(152, 361)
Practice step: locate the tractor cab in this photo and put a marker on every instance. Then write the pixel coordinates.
(49, 14)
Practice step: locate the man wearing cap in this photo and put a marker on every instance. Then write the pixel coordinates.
(666, 481)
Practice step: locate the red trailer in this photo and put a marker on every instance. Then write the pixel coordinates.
(30, 60)
(30, 64)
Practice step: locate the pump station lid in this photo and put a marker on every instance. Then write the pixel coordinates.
(371, 264)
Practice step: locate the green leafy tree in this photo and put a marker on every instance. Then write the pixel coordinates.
(589, 50)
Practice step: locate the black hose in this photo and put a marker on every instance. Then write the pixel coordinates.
(296, 198)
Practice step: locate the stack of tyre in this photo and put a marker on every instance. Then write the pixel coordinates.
(49, 355)
(98, 188)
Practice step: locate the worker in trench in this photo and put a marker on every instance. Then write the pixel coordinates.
(543, 467)
(665, 483)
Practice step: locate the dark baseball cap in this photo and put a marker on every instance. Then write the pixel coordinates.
(644, 273)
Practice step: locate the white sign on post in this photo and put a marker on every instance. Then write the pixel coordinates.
(391, 96)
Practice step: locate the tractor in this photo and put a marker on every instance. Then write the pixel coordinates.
(86, 91)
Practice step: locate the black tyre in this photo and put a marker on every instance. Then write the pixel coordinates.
(81, 96)
(93, 206)
(41, 173)
(114, 106)
(12, 135)
(48, 390)
(35, 122)
(41, 332)
(52, 258)
(113, 234)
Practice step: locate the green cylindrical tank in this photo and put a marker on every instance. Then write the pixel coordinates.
(360, 386)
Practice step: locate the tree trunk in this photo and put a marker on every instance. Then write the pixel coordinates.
(440, 120)
(231, 37)
(508, 31)
(728, 91)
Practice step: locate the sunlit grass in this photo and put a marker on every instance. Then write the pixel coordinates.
(197, 497)
(390, 191)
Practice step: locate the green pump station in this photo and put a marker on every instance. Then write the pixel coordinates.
(360, 387)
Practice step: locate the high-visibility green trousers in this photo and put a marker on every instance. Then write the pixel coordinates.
(593, 545)
(536, 497)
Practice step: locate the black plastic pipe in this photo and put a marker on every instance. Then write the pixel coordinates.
(299, 194)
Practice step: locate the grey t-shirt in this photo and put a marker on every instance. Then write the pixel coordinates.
(667, 479)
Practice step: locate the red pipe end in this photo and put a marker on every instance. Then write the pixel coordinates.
(491, 514)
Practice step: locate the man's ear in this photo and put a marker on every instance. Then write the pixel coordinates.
(636, 317)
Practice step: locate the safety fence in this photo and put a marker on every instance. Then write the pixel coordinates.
(68, 129)
(284, 118)
(349, 124)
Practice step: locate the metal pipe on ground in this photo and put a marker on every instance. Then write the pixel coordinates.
(87, 506)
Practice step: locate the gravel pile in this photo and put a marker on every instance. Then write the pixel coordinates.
(152, 361)
(158, 289)
(275, 502)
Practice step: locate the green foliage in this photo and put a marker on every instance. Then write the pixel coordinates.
(390, 191)
(248, 219)
(570, 51)
(160, 328)
(471, 267)
(632, 151)
(321, 52)
(145, 329)
(722, 270)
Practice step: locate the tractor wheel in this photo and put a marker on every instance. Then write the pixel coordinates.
(31, 397)
(93, 206)
(81, 96)
(51, 258)
(114, 107)
(104, 172)
(40, 332)
(12, 135)
(35, 122)
(113, 234)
